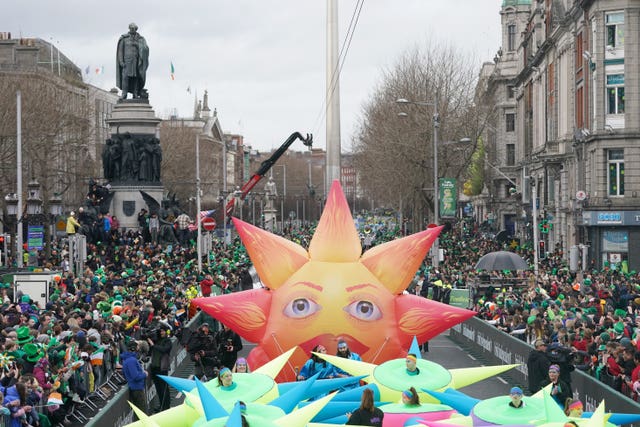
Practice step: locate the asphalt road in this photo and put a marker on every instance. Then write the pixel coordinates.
(449, 354)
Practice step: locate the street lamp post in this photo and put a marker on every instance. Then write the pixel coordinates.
(11, 201)
(436, 200)
(55, 206)
(35, 222)
(55, 210)
(199, 206)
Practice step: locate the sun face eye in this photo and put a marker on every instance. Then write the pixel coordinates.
(364, 310)
(300, 308)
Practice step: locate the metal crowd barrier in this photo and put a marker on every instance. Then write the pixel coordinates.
(117, 411)
(501, 348)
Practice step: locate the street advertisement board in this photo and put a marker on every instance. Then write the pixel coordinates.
(448, 197)
(35, 237)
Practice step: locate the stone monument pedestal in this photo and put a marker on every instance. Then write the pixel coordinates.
(127, 202)
(270, 219)
(135, 162)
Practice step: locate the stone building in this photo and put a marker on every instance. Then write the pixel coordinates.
(562, 100)
(60, 119)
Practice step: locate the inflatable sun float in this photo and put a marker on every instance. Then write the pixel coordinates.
(332, 291)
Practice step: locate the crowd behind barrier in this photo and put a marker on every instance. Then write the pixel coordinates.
(590, 321)
(117, 412)
(130, 288)
(135, 282)
(498, 347)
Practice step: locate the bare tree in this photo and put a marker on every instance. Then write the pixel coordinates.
(394, 155)
(56, 134)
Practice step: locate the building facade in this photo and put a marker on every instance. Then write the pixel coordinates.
(61, 135)
(566, 104)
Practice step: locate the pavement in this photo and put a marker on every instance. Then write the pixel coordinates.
(446, 352)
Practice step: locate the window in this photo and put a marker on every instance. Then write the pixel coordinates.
(511, 38)
(615, 29)
(616, 172)
(511, 122)
(511, 154)
(579, 110)
(615, 94)
(510, 92)
(579, 51)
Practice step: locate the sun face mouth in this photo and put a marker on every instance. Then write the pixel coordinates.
(330, 341)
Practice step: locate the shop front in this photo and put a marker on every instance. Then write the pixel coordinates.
(614, 239)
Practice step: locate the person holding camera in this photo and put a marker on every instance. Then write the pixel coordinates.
(202, 348)
(229, 345)
(537, 365)
(564, 358)
(160, 346)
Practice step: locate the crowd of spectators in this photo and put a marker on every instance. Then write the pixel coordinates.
(583, 320)
(56, 355)
(133, 287)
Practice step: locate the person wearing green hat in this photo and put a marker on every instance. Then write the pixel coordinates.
(620, 312)
(32, 354)
(24, 335)
(618, 328)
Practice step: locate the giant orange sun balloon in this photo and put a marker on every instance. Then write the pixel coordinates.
(332, 292)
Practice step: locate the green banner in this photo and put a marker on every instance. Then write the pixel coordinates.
(448, 197)
(460, 298)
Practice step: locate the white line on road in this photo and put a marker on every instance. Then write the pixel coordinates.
(501, 380)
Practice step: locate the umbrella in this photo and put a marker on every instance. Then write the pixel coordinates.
(501, 260)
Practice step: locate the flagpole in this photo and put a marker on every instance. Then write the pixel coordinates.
(19, 233)
(198, 208)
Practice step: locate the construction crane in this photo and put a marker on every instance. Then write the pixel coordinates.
(264, 168)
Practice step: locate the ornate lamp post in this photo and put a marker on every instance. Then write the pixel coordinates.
(34, 201)
(11, 202)
(35, 219)
(55, 210)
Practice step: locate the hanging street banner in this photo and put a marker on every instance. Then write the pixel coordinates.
(35, 237)
(448, 197)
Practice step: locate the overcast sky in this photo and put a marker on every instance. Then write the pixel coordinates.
(262, 61)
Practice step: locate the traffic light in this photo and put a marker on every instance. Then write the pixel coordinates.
(542, 254)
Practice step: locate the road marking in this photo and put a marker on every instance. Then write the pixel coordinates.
(471, 357)
(501, 380)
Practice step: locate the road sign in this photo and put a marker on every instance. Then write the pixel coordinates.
(209, 224)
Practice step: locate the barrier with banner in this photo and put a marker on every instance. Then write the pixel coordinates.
(499, 348)
(117, 412)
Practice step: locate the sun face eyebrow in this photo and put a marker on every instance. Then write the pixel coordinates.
(359, 286)
(310, 285)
